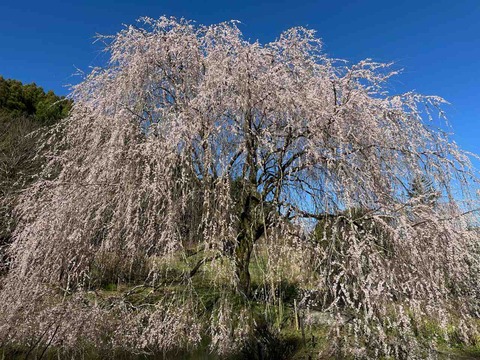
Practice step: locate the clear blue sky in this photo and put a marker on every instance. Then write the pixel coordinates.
(437, 42)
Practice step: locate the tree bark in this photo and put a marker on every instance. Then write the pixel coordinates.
(243, 253)
(252, 228)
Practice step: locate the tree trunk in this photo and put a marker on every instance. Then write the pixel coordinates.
(251, 228)
(245, 240)
(243, 252)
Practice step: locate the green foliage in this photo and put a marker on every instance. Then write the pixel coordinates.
(31, 100)
(332, 230)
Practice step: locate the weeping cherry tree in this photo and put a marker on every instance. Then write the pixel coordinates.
(193, 139)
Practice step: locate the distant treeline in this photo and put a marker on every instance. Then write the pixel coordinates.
(17, 99)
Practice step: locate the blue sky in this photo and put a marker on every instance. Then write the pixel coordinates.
(437, 43)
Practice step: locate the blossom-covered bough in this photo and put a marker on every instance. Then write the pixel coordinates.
(195, 143)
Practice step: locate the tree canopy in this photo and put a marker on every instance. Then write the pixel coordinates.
(17, 99)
